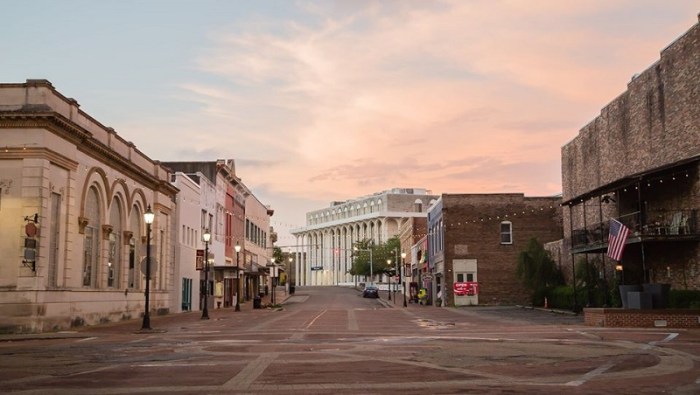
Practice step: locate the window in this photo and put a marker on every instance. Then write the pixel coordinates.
(92, 238)
(506, 232)
(54, 248)
(465, 277)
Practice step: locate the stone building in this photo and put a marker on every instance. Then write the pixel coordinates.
(637, 162)
(73, 194)
(326, 242)
(476, 238)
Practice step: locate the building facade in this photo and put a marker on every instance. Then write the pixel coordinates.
(412, 234)
(222, 211)
(187, 279)
(476, 239)
(258, 247)
(326, 242)
(638, 163)
(73, 194)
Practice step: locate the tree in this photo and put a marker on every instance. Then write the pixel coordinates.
(277, 255)
(538, 271)
(380, 254)
(361, 257)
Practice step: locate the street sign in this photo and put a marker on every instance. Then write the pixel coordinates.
(154, 265)
(317, 268)
(199, 261)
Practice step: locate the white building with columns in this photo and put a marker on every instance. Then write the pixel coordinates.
(323, 248)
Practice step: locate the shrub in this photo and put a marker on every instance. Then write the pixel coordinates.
(683, 299)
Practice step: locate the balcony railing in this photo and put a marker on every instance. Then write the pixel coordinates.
(658, 223)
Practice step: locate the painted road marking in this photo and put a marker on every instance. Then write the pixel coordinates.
(590, 375)
(352, 321)
(315, 318)
(251, 372)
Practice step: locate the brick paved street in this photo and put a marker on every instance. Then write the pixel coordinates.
(331, 340)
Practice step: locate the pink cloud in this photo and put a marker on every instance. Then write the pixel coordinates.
(363, 96)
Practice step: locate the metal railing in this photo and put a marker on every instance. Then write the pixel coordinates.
(662, 223)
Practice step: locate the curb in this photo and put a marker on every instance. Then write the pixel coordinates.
(555, 311)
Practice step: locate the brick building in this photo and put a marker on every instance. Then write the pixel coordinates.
(478, 237)
(638, 162)
(412, 234)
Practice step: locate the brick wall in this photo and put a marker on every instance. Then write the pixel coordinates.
(472, 231)
(652, 124)
(626, 318)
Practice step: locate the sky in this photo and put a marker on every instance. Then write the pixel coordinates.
(320, 101)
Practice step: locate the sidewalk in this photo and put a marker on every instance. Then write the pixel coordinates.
(157, 321)
(281, 295)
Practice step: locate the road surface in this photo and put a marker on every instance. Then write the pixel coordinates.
(331, 340)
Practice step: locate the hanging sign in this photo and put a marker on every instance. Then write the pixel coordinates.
(199, 261)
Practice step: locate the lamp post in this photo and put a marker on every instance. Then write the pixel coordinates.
(206, 236)
(403, 278)
(396, 285)
(388, 264)
(289, 278)
(148, 218)
(621, 272)
(238, 280)
(272, 280)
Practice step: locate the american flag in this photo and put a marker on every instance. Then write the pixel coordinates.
(617, 239)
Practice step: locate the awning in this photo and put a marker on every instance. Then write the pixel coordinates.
(670, 168)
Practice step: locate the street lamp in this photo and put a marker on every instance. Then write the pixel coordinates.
(403, 278)
(272, 280)
(388, 265)
(206, 236)
(290, 285)
(621, 272)
(148, 218)
(238, 279)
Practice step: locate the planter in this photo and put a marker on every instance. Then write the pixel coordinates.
(624, 290)
(659, 294)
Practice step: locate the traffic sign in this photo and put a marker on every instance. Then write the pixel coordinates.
(154, 265)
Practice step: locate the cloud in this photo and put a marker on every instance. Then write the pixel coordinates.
(350, 98)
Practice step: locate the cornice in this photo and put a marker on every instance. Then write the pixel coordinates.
(38, 153)
(85, 143)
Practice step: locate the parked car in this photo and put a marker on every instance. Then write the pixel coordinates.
(370, 291)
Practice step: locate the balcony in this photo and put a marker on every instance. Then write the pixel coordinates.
(658, 225)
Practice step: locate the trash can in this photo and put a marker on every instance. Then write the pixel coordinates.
(292, 288)
(256, 302)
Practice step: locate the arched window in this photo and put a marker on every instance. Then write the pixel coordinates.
(91, 244)
(135, 226)
(114, 253)
(506, 232)
(418, 204)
